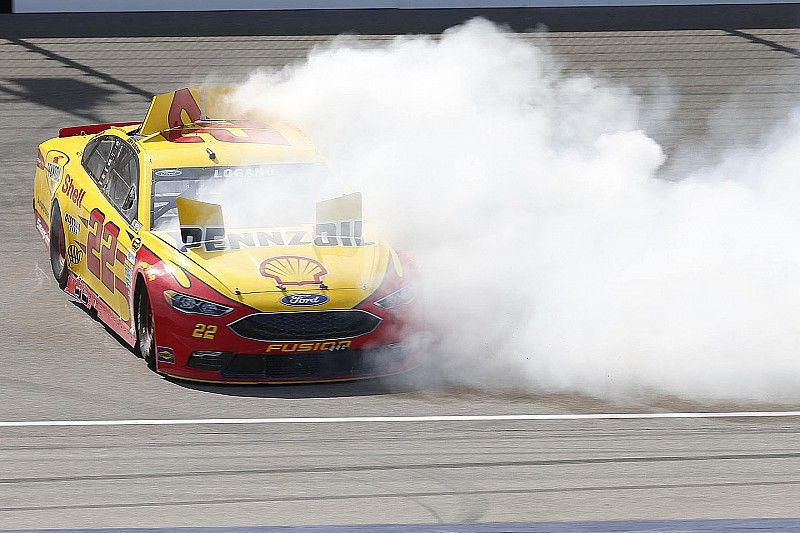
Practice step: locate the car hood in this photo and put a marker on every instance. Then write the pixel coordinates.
(300, 267)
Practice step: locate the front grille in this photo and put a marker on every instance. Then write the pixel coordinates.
(327, 365)
(305, 325)
(204, 360)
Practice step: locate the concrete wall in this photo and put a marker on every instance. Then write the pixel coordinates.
(54, 6)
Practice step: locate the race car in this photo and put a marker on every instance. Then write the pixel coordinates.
(147, 225)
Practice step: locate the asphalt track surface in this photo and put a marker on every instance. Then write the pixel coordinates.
(58, 364)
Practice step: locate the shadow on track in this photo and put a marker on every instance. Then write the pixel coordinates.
(65, 95)
(433, 381)
(410, 382)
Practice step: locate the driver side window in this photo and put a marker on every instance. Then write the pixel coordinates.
(123, 182)
(115, 168)
(96, 157)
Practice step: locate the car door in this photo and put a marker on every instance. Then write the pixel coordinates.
(123, 192)
(81, 197)
(114, 166)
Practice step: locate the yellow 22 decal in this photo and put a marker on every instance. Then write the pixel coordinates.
(204, 331)
(102, 251)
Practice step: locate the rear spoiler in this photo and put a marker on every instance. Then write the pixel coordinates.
(170, 110)
(91, 128)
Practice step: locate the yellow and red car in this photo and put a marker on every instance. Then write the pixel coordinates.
(123, 211)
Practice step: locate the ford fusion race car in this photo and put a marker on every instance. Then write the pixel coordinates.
(152, 225)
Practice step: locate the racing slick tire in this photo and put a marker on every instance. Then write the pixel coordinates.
(58, 247)
(145, 326)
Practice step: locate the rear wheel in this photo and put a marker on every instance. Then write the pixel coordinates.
(58, 247)
(145, 327)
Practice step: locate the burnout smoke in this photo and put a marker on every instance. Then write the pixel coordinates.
(552, 255)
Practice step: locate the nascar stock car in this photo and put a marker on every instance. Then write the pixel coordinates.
(126, 212)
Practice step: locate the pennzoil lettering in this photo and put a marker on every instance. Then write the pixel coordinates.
(265, 239)
(344, 232)
(326, 346)
(297, 238)
(214, 239)
(217, 239)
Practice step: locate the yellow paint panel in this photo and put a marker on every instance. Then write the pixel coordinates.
(197, 213)
(347, 207)
(172, 109)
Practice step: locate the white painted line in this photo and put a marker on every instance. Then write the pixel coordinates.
(382, 419)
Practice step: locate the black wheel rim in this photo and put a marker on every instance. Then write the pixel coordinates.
(146, 326)
(61, 248)
(58, 248)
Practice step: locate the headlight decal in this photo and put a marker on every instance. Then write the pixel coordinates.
(193, 305)
(401, 296)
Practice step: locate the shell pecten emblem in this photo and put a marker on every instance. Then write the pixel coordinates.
(293, 270)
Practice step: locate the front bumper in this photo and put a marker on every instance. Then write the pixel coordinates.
(214, 349)
(340, 365)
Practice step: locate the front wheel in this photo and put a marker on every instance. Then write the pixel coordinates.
(58, 247)
(145, 327)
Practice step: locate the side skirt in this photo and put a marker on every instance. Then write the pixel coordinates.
(78, 289)
(43, 228)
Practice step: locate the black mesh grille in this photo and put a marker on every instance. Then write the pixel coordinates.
(305, 325)
(204, 362)
(327, 365)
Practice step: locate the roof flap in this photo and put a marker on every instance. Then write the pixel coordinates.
(185, 106)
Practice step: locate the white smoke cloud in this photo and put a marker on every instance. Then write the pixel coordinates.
(553, 256)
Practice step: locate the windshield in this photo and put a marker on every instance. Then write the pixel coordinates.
(250, 196)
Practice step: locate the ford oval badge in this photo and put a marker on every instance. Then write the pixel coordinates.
(168, 172)
(301, 300)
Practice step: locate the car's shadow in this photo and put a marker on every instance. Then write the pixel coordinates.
(432, 381)
(413, 381)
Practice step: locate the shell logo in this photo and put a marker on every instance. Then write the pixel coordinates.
(293, 270)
